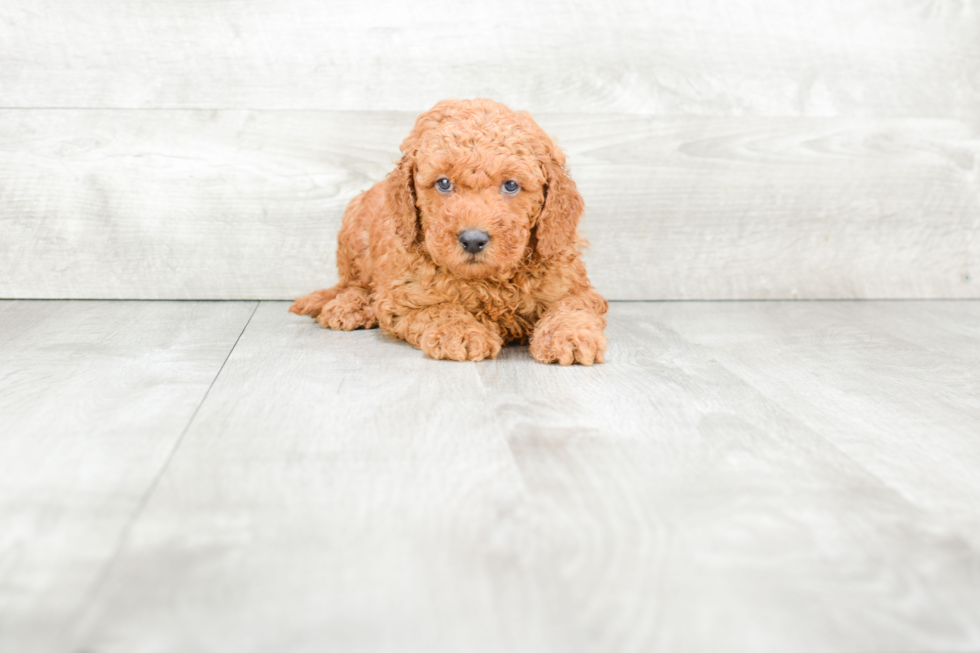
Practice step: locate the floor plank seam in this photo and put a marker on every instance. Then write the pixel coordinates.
(103, 574)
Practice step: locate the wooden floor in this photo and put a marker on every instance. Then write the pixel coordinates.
(743, 476)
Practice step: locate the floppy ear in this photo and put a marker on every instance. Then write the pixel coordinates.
(400, 185)
(400, 200)
(557, 224)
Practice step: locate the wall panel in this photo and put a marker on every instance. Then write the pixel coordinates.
(675, 57)
(246, 204)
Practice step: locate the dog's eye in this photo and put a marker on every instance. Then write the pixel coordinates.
(444, 185)
(511, 186)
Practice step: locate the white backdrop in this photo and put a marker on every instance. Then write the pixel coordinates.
(726, 149)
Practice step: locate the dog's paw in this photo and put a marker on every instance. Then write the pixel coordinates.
(460, 343)
(350, 310)
(567, 344)
(313, 303)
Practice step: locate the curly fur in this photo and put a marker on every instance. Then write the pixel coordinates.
(402, 267)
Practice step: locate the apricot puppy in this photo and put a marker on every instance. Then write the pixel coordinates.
(469, 244)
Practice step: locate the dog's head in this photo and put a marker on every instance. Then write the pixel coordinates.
(481, 187)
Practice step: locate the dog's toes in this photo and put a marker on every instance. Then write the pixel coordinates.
(565, 347)
(482, 346)
(461, 344)
(445, 347)
(346, 320)
(312, 304)
(302, 307)
(349, 310)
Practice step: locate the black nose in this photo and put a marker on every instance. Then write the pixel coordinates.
(474, 240)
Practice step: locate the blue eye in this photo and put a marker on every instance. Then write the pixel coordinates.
(511, 186)
(444, 185)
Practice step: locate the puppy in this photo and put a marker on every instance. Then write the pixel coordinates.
(470, 243)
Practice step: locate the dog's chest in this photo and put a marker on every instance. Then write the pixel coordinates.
(509, 305)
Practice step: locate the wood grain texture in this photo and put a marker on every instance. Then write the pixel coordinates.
(246, 204)
(710, 57)
(181, 205)
(340, 491)
(93, 398)
(875, 382)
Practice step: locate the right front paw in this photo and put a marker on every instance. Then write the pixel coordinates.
(460, 343)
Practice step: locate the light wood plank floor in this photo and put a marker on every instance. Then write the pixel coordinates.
(743, 476)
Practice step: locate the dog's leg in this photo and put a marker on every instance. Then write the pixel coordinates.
(447, 331)
(350, 309)
(571, 331)
(351, 262)
(348, 297)
(313, 303)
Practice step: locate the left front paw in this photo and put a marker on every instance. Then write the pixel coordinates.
(565, 344)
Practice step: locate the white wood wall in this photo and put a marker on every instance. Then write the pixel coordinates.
(727, 149)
